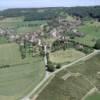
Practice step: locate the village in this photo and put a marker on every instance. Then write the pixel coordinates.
(49, 53)
(62, 32)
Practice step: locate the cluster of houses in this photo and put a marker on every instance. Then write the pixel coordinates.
(33, 38)
(63, 25)
(56, 32)
(6, 32)
(11, 35)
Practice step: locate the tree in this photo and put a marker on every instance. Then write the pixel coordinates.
(22, 51)
(56, 45)
(41, 50)
(97, 45)
(47, 55)
(50, 67)
(23, 55)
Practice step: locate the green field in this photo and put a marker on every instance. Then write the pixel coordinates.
(82, 78)
(89, 68)
(92, 31)
(95, 96)
(3, 40)
(21, 26)
(22, 75)
(68, 55)
(12, 19)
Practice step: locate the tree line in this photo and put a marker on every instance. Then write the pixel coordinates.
(51, 13)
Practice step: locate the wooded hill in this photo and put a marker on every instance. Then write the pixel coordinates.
(53, 12)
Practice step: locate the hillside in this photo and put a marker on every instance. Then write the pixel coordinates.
(50, 13)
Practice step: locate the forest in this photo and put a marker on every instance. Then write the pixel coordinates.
(31, 14)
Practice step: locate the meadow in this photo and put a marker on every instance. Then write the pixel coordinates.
(21, 26)
(95, 96)
(3, 40)
(22, 75)
(82, 78)
(68, 55)
(92, 32)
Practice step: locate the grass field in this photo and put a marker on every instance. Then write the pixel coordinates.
(12, 19)
(21, 26)
(75, 86)
(3, 40)
(92, 31)
(68, 55)
(89, 68)
(95, 96)
(27, 29)
(22, 75)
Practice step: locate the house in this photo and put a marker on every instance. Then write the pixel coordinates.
(12, 38)
(2, 32)
(79, 47)
(53, 32)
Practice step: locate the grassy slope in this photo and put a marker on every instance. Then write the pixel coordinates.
(74, 88)
(92, 31)
(22, 76)
(68, 55)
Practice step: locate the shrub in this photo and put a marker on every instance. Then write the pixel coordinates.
(23, 55)
(58, 66)
(97, 45)
(50, 68)
(5, 66)
(87, 50)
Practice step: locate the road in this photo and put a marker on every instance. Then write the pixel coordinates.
(89, 93)
(48, 75)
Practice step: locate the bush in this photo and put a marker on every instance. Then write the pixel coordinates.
(5, 66)
(58, 66)
(97, 45)
(50, 68)
(49, 62)
(87, 50)
(23, 55)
